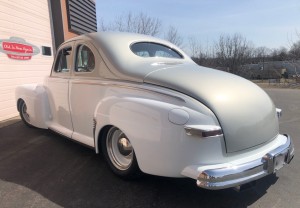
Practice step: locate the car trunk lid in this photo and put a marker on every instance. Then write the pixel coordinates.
(245, 112)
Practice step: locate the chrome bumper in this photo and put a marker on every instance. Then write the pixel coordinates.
(227, 177)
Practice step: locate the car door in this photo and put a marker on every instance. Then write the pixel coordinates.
(57, 86)
(85, 91)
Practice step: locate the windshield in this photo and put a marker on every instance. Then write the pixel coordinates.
(147, 49)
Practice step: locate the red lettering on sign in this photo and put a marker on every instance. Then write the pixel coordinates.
(17, 57)
(17, 47)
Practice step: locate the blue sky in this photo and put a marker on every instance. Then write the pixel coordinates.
(270, 23)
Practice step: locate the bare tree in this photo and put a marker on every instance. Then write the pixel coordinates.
(202, 55)
(135, 23)
(260, 54)
(101, 25)
(295, 51)
(280, 54)
(173, 36)
(195, 47)
(232, 51)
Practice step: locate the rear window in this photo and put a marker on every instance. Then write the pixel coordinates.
(147, 49)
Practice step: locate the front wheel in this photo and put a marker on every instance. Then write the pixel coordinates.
(119, 154)
(24, 114)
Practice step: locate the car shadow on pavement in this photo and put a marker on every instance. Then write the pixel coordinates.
(68, 174)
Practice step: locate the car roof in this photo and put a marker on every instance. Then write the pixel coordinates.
(114, 48)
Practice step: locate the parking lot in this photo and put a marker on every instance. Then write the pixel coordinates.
(39, 168)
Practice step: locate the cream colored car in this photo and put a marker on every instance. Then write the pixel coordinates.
(149, 108)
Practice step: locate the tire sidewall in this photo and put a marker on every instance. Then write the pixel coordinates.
(22, 105)
(131, 172)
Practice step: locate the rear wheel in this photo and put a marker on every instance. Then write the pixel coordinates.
(119, 154)
(24, 113)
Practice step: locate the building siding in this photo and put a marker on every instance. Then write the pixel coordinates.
(30, 21)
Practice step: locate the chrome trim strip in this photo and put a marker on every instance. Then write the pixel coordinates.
(203, 131)
(237, 175)
(70, 138)
(94, 130)
(58, 132)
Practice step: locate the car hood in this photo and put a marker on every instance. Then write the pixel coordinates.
(245, 112)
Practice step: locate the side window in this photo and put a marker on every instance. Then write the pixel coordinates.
(85, 59)
(148, 49)
(63, 61)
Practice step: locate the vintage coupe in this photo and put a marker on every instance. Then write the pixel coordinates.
(149, 108)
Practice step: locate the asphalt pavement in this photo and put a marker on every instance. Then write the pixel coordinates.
(39, 168)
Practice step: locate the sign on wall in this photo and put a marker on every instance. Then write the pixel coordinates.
(18, 49)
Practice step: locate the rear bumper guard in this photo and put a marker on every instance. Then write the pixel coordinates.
(227, 177)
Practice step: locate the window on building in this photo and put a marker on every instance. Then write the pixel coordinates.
(63, 61)
(85, 59)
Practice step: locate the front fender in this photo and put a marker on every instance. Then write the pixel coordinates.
(35, 97)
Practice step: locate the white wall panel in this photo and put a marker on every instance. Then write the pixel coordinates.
(29, 20)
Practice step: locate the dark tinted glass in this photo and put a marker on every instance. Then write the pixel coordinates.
(63, 61)
(85, 61)
(146, 49)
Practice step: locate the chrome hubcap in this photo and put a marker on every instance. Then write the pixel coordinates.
(124, 146)
(24, 113)
(119, 149)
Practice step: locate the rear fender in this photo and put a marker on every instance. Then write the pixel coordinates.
(136, 117)
(146, 122)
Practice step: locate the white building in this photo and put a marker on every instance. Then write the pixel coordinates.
(30, 31)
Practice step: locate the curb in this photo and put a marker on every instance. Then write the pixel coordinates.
(10, 121)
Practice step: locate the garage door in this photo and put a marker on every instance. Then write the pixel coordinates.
(25, 33)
